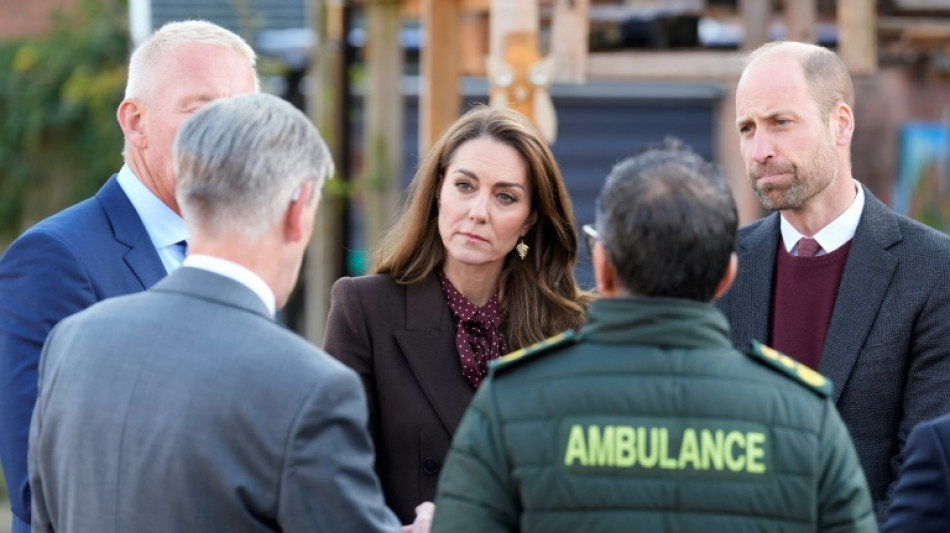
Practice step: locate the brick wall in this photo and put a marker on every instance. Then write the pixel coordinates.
(20, 18)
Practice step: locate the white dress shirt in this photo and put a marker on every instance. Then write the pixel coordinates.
(835, 234)
(238, 273)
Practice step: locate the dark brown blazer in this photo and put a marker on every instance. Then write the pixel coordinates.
(401, 341)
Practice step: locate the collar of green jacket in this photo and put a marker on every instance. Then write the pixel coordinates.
(671, 322)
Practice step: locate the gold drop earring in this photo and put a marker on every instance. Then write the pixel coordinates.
(522, 249)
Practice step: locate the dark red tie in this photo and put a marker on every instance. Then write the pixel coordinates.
(808, 247)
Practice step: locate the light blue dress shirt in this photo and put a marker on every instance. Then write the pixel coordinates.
(164, 226)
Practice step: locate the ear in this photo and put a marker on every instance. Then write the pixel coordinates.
(605, 274)
(728, 276)
(298, 217)
(843, 124)
(532, 218)
(131, 117)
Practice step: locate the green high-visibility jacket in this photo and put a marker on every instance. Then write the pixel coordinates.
(648, 420)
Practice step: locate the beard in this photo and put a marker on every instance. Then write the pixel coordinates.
(808, 178)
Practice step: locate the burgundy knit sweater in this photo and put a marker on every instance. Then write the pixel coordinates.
(803, 298)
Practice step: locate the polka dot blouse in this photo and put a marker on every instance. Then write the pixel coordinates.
(478, 337)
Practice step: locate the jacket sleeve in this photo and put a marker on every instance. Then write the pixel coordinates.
(926, 394)
(328, 482)
(476, 490)
(922, 495)
(844, 499)
(347, 339)
(41, 282)
(40, 515)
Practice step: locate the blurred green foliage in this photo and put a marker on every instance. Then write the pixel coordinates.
(59, 140)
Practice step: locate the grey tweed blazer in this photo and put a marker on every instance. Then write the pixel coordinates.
(186, 408)
(888, 345)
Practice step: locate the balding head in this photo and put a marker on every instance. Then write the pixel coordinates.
(825, 74)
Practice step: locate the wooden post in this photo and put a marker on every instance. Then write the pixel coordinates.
(326, 106)
(473, 44)
(383, 114)
(518, 75)
(756, 16)
(857, 35)
(511, 16)
(439, 98)
(800, 19)
(569, 40)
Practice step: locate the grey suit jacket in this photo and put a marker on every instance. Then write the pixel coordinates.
(888, 345)
(401, 341)
(186, 408)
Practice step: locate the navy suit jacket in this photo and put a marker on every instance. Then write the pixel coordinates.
(94, 250)
(887, 350)
(922, 495)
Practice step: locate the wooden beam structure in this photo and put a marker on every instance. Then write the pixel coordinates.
(676, 66)
(857, 35)
(800, 19)
(439, 98)
(570, 40)
(383, 142)
(324, 254)
(756, 17)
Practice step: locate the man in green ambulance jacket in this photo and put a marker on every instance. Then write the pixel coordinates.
(647, 419)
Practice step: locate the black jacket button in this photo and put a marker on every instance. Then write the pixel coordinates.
(430, 466)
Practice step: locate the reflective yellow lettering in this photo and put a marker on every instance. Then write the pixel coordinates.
(666, 461)
(689, 450)
(712, 450)
(734, 461)
(576, 447)
(626, 453)
(755, 452)
(600, 446)
(647, 460)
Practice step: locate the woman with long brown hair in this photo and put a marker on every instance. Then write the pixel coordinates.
(480, 262)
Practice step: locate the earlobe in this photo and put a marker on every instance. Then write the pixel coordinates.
(130, 116)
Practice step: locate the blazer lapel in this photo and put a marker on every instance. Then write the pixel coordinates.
(753, 296)
(128, 229)
(867, 275)
(428, 343)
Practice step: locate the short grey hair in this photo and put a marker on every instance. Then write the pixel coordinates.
(240, 160)
(175, 34)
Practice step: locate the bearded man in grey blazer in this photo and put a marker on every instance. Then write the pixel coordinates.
(187, 408)
(836, 279)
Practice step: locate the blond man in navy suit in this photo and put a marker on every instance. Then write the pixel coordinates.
(187, 407)
(125, 238)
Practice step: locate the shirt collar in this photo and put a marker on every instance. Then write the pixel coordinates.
(238, 273)
(163, 225)
(836, 233)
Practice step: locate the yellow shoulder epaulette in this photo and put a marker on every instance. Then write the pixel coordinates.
(524, 354)
(800, 373)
